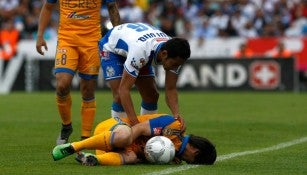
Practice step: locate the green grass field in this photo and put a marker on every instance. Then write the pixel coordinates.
(234, 121)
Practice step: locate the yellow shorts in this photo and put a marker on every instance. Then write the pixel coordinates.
(105, 125)
(84, 59)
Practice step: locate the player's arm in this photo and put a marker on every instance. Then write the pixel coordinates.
(117, 158)
(125, 87)
(44, 19)
(171, 96)
(152, 127)
(113, 13)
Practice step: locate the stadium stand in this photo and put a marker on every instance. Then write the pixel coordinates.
(187, 18)
(196, 20)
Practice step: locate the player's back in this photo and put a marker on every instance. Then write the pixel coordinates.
(139, 36)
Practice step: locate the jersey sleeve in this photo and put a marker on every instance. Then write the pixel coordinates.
(136, 59)
(165, 125)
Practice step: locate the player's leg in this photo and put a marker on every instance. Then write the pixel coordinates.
(88, 106)
(65, 64)
(88, 67)
(120, 137)
(117, 110)
(117, 158)
(63, 99)
(112, 67)
(147, 88)
(107, 158)
(107, 140)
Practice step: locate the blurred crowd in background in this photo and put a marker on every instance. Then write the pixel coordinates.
(200, 19)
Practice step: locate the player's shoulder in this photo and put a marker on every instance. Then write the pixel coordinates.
(150, 116)
(138, 53)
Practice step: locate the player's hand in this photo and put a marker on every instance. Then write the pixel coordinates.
(181, 120)
(134, 121)
(40, 42)
(177, 161)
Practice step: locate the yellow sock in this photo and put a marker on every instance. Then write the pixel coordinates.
(110, 158)
(88, 110)
(64, 108)
(100, 142)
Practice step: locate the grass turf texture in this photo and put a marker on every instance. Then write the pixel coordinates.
(234, 121)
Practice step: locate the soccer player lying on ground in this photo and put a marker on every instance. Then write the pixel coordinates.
(116, 143)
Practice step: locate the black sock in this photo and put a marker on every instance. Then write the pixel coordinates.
(66, 130)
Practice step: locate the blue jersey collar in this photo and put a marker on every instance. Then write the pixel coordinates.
(184, 143)
(156, 53)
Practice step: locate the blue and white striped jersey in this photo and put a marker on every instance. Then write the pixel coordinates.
(137, 42)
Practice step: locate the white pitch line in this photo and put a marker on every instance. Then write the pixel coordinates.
(233, 155)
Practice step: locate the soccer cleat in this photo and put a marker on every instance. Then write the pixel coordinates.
(87, 159)
(62, 151)
(61, 141)
(64, 135)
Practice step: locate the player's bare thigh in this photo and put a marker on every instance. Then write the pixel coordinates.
(114, 85)
(147, 88)
(122, 136)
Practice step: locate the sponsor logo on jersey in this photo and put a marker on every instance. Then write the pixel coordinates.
(133, 64)
(170, 131)
(74, 15)
(80, 4)
(162, 39)
(157, 131)
(61, 50)
(142, 62)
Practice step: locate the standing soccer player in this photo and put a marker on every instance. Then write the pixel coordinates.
(128, 52)
(77, 50)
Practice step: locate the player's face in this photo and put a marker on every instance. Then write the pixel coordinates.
(172, 63)
(189, 154)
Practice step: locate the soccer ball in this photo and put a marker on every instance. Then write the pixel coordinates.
(159, 150)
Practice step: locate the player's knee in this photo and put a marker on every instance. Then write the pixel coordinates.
(127, 135)
(63, 83)
(123, 136)
(88, 93)
(151, 96)
(87, 88)
(62, 89)
(154, 96)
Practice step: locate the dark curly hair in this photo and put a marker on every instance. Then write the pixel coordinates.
(177, 47)
(207, 152)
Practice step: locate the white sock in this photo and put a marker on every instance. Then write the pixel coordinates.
(145, 111)
(116, 114)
